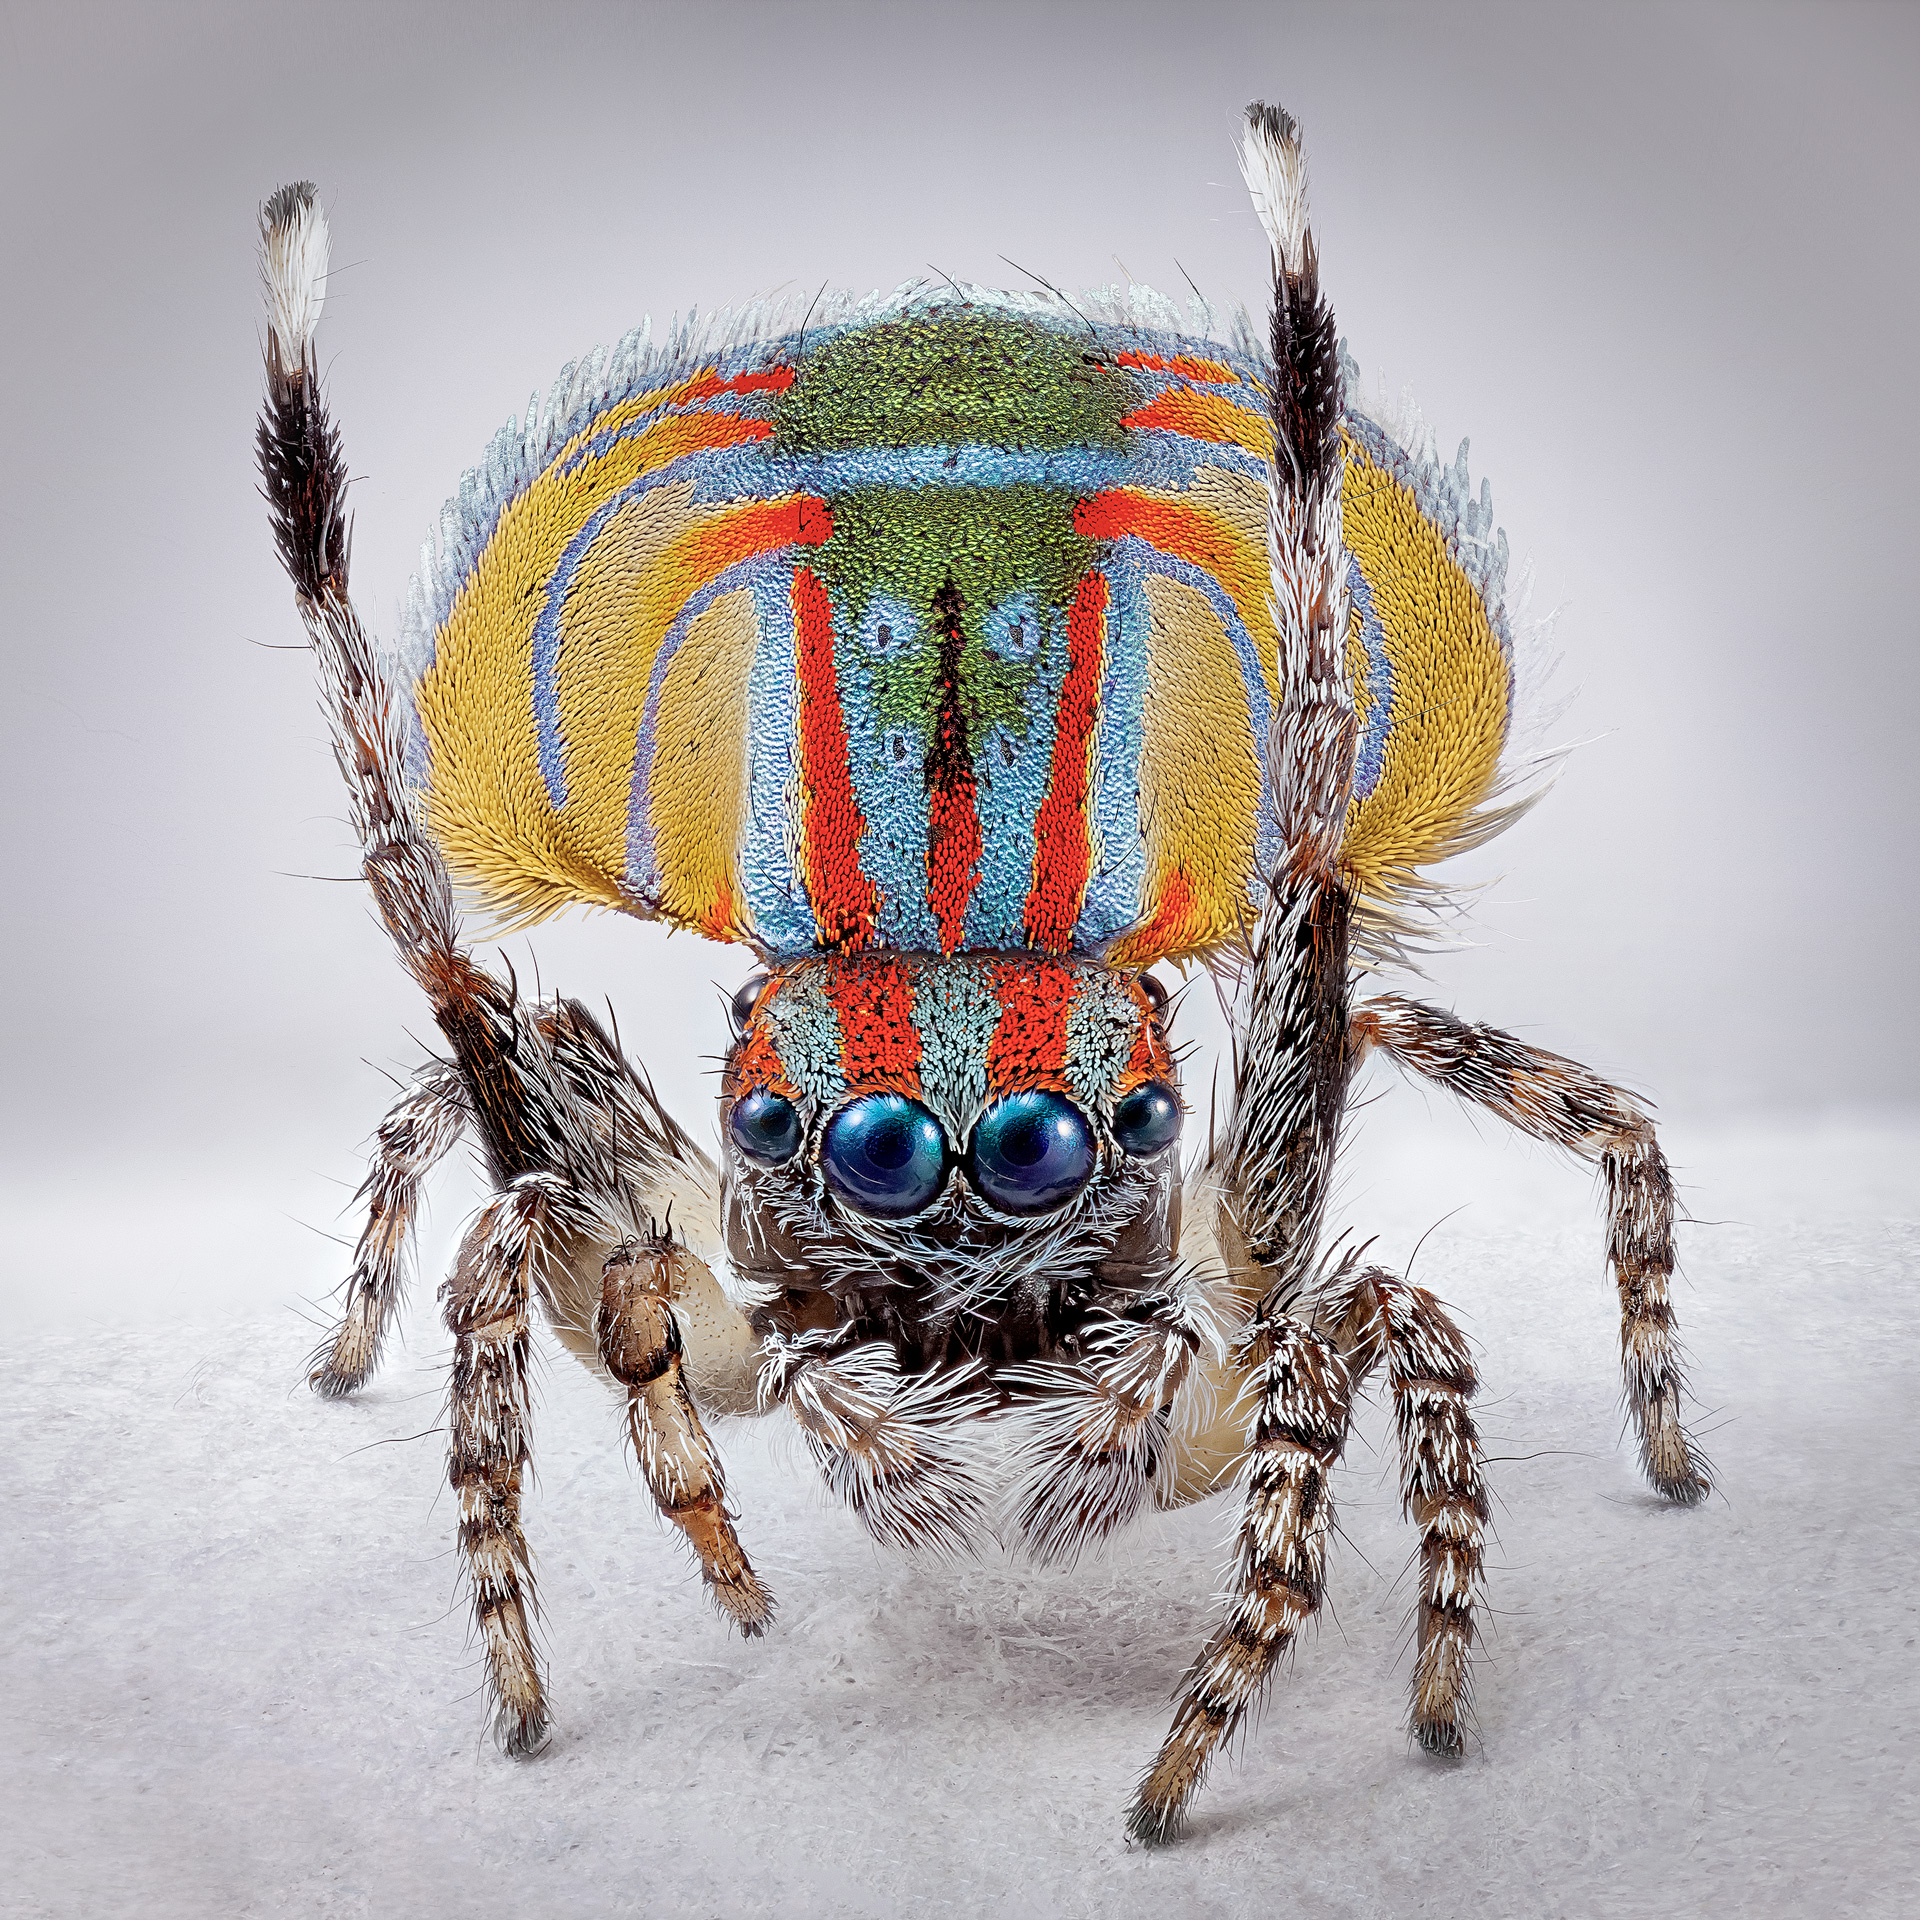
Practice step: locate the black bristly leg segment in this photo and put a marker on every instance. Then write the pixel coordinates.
(1291, 1069)
(418, 1131)
(1377, 1318)
(1559, 1101)
(640, 1342)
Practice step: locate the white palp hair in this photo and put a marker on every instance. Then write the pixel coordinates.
(293, 269)
(1274, 166)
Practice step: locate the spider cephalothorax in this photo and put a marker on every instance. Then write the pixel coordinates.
(962, 656)
(969, 1157)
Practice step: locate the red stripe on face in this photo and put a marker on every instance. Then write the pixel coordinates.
(758, 1065)
(879, 1044)
(844, 899)
(1029, 1045)
(1062, 849)
(1151, 1059)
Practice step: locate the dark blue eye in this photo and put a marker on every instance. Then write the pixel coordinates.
(765, 1127)
(1032, 1152)
(885, 1154)
(1147, 1120)
(746, 999)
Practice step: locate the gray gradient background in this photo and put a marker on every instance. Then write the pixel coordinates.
(1659, 263)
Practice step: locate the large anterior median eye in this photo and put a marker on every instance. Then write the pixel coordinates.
(1147, 1120)
(765, 1127)
(885, 1154)
(1032, 1152)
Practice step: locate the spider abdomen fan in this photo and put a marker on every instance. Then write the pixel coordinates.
(945, 625)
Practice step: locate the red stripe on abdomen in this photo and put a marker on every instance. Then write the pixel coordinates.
(953, 819)
(1188, 366)
(844, 899)
(1062, 851)
(773, 380)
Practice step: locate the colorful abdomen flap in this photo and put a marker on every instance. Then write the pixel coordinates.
(941, 630)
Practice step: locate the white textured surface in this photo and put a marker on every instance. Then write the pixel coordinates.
(237, 1684)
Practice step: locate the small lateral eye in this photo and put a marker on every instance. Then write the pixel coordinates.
(745, 1000)
(1032, 1152)
(1155, 991)
(1147, 1120)
(885, 1154)
(765, 1127)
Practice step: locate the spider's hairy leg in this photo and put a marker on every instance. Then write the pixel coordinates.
(418, 1131)
(886, 1443)
(1291, 1061)
(1100, 1439)
(1559, 1101)
(640, 1342)
(1376, 1317)
(488, 1303)
(1303, 1397)
(1290, 1053)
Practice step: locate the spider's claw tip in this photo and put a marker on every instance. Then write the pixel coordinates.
(1153, 1826)
(526, 1736)
(1441, 1738)
(1687, 1490)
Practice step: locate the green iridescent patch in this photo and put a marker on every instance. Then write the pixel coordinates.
(992, 544)
(953, 379)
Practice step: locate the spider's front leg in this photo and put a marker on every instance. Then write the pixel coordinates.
(416, 1135)
(1292, 1051)
(1559, 1101)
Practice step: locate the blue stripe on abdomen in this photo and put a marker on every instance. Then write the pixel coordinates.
(782, 914)
(1011, 772)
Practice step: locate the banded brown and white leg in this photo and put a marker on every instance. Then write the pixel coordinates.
(488, 1310)
(1290, 1055)
(417, 1133)
(640, 1342)
(1099, 1434)
(1559, 1101)
(888, 1444)
(1376, 1318)
(1303, 1398)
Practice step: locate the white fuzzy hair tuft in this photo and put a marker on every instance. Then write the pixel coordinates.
(293, 266)
(1274, 167)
